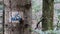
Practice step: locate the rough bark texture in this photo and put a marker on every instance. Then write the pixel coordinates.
(47, 22)
(23, 7)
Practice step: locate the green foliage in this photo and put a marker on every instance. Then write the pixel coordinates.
(56, 0)
(1, 7)
(36, 8)
(1, 29)
(59, 17)
(44, 32)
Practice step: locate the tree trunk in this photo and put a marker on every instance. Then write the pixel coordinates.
(47, 21)
(21, 6)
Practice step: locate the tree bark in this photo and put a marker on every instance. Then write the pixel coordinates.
(48, 11)
(21, 6)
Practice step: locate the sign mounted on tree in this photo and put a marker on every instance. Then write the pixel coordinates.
(14, 16)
